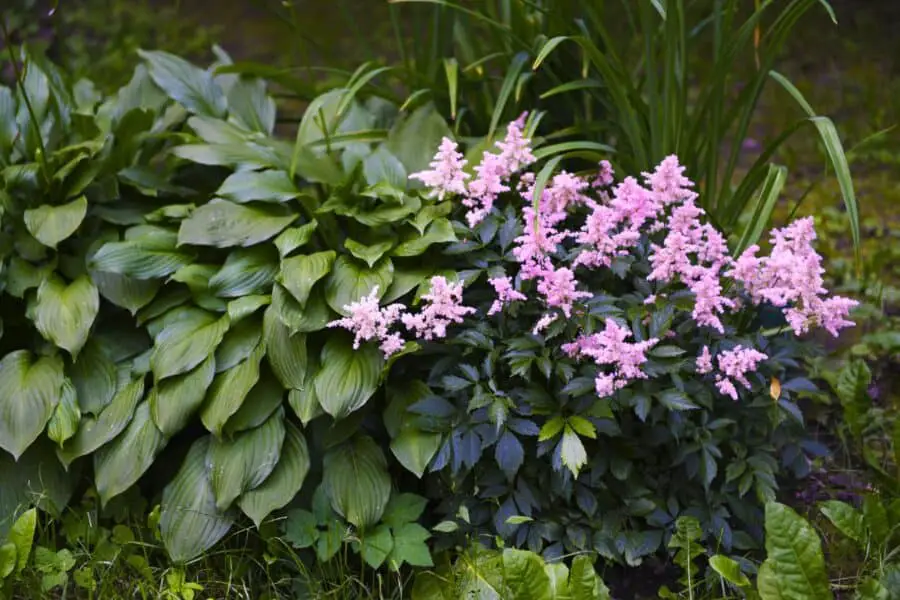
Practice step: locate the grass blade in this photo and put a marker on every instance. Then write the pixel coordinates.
(765, 204)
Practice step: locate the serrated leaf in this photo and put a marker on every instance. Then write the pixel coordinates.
(265, 186)
(119, 464)
(286, 353)
(189, 522)
(64, 422)
(285, 481)
(356, 481)
(174, 400)
(348, 282)
(190, 86)
(224, 224)
(186, 343)
(795, 566)
(403, 508)
(300, 273)
(52, 224)
(64, 314)
(376, 545)
(29, 392)
(228, 392)
(348, 377)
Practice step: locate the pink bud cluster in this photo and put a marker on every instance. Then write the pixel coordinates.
(734, 364)
(368, 321)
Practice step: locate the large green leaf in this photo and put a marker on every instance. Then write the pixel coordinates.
(264, 186)
(64, 422)
(294, 237)
(305, 404)
(348, 377)
(52, 224)
(244, 462)
(136, 258)
(29, 392)
(37, 479)
(285, 481)
(64, 314)
(173, 401)
(249, 104)
(228, 392)
(349, 281)
(847, 519)
(94, 433)
(439, 231)
(119, 464)
(127, 292)
(424, 128)
(262, 401)
(314, 317)
(186, 343)
(300, 273)
(795, 567)
(286, 353)
(584, 583)
(192, 87)
(415, 449)
(94, 376)
(238, 344)
(382, 166)
(356, 481)
(21, 534)
(224, 224)
(246, 271)
(189, 522)
(524, 575)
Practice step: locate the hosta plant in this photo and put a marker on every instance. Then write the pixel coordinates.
(611, 365)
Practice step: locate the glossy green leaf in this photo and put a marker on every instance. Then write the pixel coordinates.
(440, 231)
(224, 224)
(795, 567)
(192, 87)
(729, 570)
(423, 128)
(369, 254)
(382, 166)
(847, 519)
(52, 224)
(349, 281)
(246, 271)
(263, 186)
(251, 106)
(64, 422)
(356, 481)
(94, 376)
(119, 464)
(64, 314)
(584, 583)
(348, 377)
(138, 259)
(244, 462)
(524, 575)
(29, 392)
(126, 292)
(300, 273)
(415, 449)
(238, 344)
(285, 481)
(314, 317)
(21, 535)
(305, 404)
(295, 237)
(186, 343)
(174, 400)
(7, 559)
(262, 401)
(189, 522)
(228, 392)
(286, 353)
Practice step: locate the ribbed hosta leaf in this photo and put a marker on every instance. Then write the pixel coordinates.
(228, 391)
(64, 313)
(224, 224)
(238, 344)
(795, 567)
(285, 481)
(314, 317)
(262, 400)
(52, 224)
(127, 292)
(300, 273)
(244, 462)
(29, 392)
(348, 377)
(356, 480)
(119, 464)
(94, 376)
(191, 86)
(36, 478)
(286, 353)
(305, 403)
(94, 433)
(246, 271)
(186, 343)
(266, 186)
(173, 401)
(349, 281)
(64, 422)
(189, 521)
(140, 260)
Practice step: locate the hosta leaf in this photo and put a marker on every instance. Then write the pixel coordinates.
(370, 254)
(314, 317)
(300, 273)
(186, 343)
(795, 566)
(265, 186)
(356, 481)
(36, 479)
(64, 422)
(246, 271)
(262, 400)
(348, 377)
(240, 309)
(382, 166)
(126, 292)
(190, 86)
(119, 464)
(249, 104)
(64, 314)
(286, 353)
(94, 433)
(224, 224)
(52, 224)
(174, 400)
(189, 521)
(29, 392)
(94, 376)
(228, 391)
(348, 282)
(423, 128)
(244, 462)
(238, 344)
(305, 404)
(285, 481)
(21, 276)
(415, 449)
(137, 259)
(294, 237)
(440, 231)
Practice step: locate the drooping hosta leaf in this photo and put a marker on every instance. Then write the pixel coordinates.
(356, 481)
(246, 271)
(347, 377)
(440, 231)
(52, 224)
(224, 224)
(795, 567)
(300, 273)
(349, 281)
(286, 353)
(228, 391)
(238, 344)
(64, 422)
(370, 254)
(314, 317)
(127, 292)
(37, 479)
(243, 463)
(138, 259)
(64, 314)
(119, 464)
(262, 400)
(94, 433)
(173, 401)
(21, 276)
(412, 446)
(251, 106)
(94, 376)
(382, 166)
(248, 154)
(29, 392)
(305, 403)
(192, 87)
(189, 521)
(216, 131)
(263, 186)
(424, 128)
(186, 343)
(240, 309)
(405, 280)
(294, 237)
(285, 481)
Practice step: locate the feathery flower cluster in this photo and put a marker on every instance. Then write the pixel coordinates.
(368, 321)
(444, 306)
(506, 294)
(609, 348)
(446, 175)
(792, 274)
(736, 364)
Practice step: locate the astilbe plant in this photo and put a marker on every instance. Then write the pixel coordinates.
(612, 366)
